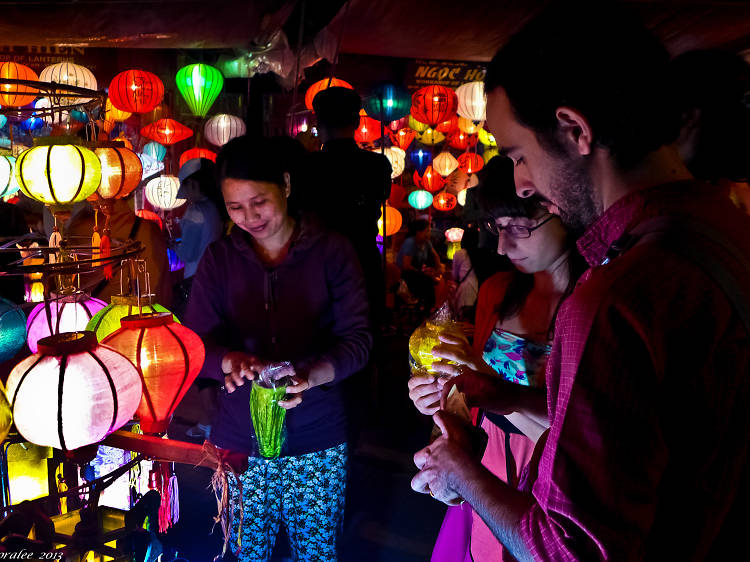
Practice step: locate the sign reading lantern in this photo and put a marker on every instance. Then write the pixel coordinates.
(321, 85)
(71, 75)
(200, 85)
(17, 95)
(445, 201)
(433, 104)
(136, 91)
(72, 393)
(166, 131)
(161, 192)
(222, 128)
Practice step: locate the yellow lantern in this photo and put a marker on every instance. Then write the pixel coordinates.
(121, 172)
(489, 154)
(58, 174)
(392, 221)
(472, 103)
(431, 136)
(468, 126)
(6, 416)
(28, 477)
(487, 138)
(161, 192)
(444, 164)
(417, 125)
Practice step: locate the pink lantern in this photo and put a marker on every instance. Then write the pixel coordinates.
(69, 313)
(454, 234)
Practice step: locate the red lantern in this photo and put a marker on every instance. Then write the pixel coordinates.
(399, 123)
(470, 162)
(147, 215)
(433, 104)
(461, 141)
(403, 138)
(166, 131)
(430, 180)
(368, 130)
(449, 126)
(321, 85)
(136, 91)
(197, 153)
(168, 357)
(445, 201)
(398, 196)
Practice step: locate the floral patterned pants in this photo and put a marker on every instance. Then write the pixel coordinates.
(305, 493)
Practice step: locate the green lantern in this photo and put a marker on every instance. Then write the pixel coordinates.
(199, 84)
(107, 320)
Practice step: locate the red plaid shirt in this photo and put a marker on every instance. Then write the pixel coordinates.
(648, 399)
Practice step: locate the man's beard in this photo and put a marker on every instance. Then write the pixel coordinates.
(573, 190)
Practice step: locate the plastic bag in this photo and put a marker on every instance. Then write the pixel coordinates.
(268, 417)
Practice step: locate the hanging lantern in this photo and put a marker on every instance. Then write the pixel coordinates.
(392, 221)
(166, 131)
(150, 165)
(155, 150)
(168, 356)
(417, 126)
(454, 234)
(420, 199)
(147, 215)
(8, 183)
(396, 157)
(161, 192)
(33, 123)
(112, 114)
(16, 95)
(321, 85)
(461, 196)
(121, 172)
(444, 163)
(124, 140)
(69, 313)
(107, 320)
(468, 126)
(175, 263)
(12, 330)
(136, 91)
(461, 141)
(58, 174)
(388, 102)
(397, 197)
(489, 154)
(445, 201)
(200, 85)
(403, 138)
(431, 137)
(449, 126)
(433, 104)
(399, 123)
(420, 159)
(368, 130)
(486, 138)
(470, 162)
(72, 393)
(3, 121)
(71, 75)
(197, 153)
(430, 180)
(222, 128)
(6, 414)
(472, 103)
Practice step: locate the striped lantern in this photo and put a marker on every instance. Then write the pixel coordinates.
(107, 320)
(396, 157)
(433, 104)
(69, 313)
(17, 95)
(200, 85)
(197, 153)
(472, 103)
(420, 199)
(161, 192)
(71, 75)
(155, 150)
(136, 91)
(8, 183)
(222, 128)
(166, 131)
(444, 164)
(121, 172)
(470, 162)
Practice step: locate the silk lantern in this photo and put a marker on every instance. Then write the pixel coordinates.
(454, 234)
(155, 150)
(388, 102)
(161, 192)
(396, 157)
(200, 85)
(468, 126)
(472, 103)
(444, 163)
(121, 172)
(166, 131)
(197, 153)
(403, 138)
(33, 123)
(461, 141)
(8, 183)
(222, 128)
(431, 137)
(58, 174)
(368, 130)
(6, 415)
(461, 197)
(147, 215)
(486, 138)
(12, 329)
(321, 85)
(489, 154)
(16, 95)
(470, 162)
(168, 356)
(449, 126)
(420, 199)
(107, 320)
(69, 313)
(445, 201)
(72, 393)
(417, 126)
(136, 91)
(3, 121)
(71, 75)
(433, 104)
(111, 113)
(430, 180)
(393, 221)
(420, 159)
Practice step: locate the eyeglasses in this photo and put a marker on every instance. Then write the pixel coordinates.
(514, 230)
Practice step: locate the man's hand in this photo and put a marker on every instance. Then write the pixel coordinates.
(482, 390)
(455, 352)
(238, 367)
(424, 391)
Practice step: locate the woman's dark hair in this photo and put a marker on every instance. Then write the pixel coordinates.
(206, 179)
(417, 226)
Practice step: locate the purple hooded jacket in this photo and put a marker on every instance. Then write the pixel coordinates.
(311, 306)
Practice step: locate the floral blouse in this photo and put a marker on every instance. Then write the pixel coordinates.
(516, 359)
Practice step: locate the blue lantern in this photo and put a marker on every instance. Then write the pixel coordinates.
(175, 263)
(3, 121)
(12, 329)
(420, 199)
(388, 102)
(420, 159)
(79, 116)
(31, 124)
(155, 151)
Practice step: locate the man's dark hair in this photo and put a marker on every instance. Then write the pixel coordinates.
(337, 108)
(417, 226)
(497, 192)
(597, 59)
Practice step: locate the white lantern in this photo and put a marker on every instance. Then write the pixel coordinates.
(222, 128)
(72, 393)
(444, 163)
(396, 157)
(461, 197)
(472, 103)
(72, 75)
(161, 192)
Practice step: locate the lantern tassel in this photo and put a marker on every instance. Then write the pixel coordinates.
(226, 505)
(105, 252)
(164, 485)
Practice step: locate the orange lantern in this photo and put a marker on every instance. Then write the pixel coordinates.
(166, 131)
(470, 162)
(197, 153)
(461, 141)
(444, 163)
(445, 201)
(368, 130)
(403, 138)
(321, 85)
(16, 95)
(433, 104)
(124, 140)
(449, 126)
(121, 172)
(430, 180)
(393, 221)
(136, 91)
(168, 357)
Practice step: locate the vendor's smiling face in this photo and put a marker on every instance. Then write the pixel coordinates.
(257, 207)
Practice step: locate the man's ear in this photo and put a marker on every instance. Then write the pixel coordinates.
(575, 130)
(287, 184)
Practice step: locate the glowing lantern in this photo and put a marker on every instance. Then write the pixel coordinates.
(392, 221)
(197, 153)
(420, 199)
(168, 356)
(420, 159)
(431, 137)
(396, 157)
(111, 113)
(399, 123)
(121, 172)
(72, 75)
(8, 183)
(33, 123)
(3, 121)
(468, 126)
(136, 91)
(222, 128)
(454, 234)
(470, 162)
(12, 330)
(388, 103)
(403, 138)
(444, 164)
(124, 140)
(155, 150)
(175, 263)
(461, 141)
(473, 181)
(150, 165)
(16, 95)
(321, 85)
(147, 215)
(58, 174)
(448, 126)
(107, 320)
(161, 192)
(368, 130)
(73, 393)
(397, 197)
(445, 201)
(461, 197)
(6, 415)
(487, 139)
(27, 472)
(69, 313)
(430, 180)
(472, 103)
(489, 154)
(166, 131)
(200, 85)
(433, 104)
(417, 126)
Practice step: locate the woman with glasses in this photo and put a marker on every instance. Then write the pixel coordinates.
(513, 333)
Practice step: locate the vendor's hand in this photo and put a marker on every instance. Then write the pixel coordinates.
(456, 348)
(424, 391)
(238, 367)
(294, 392)
(482, 390)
